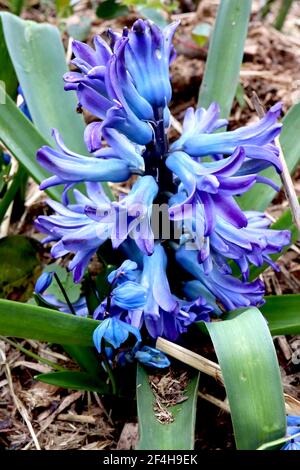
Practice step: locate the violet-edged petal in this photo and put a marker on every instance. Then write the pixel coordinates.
(152, 357)
(126, 272)
(113, 331)
(69, 169)
(43, 282)
(230, 291)
(129, 295)
(92, 136)
(133, 215)
(256, 139)
(148, 53)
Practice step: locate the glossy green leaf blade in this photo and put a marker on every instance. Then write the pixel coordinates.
(74, 380)
(38, 56)
(23, 140)
(282, 313)
(259, 197)
(248, 361)
(178, 435)
(225, 55)
(7, 71)
(33, 322)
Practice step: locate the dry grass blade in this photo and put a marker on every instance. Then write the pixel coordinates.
(215, 401)
(190, 358)
(64, 404)
(18, 403)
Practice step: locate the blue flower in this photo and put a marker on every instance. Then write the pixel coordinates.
(89, 83)
(152, 357)
(69, 167)
(198, 139)
(126, 83)
(43, 282)
(164, 314)
(126, 272)
(134, 212)
(131, 215)
(230, 291)
(148, 55)
(81, 228)
(80, 306)
(249, 245)
(113, 331)
(210, 188)
(75, 232)
(129, 295)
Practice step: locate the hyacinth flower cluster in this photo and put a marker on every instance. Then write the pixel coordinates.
(125, 84)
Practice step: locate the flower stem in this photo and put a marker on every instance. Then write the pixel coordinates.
(64, 294)
(109, 373)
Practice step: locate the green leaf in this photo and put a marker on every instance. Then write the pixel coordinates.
(7, 71)
(178, 435)
(23, 140)
(86, 358)
(102, 284)
(33, 322)
(109, 9)
(16, 6)
(19, 259)
(63, 8)
(201, 33)
(282, 313)
(240, 96)
(66, 278)
(81, 30)
(18, 180)
(74, 380)
(152, 14)
(38, 56)
(260, 196)
(249, 365)
(282, 14)
(225, 55)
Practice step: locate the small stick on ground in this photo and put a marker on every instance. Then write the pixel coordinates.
(215, 401)
(190, 358)
(18, 403)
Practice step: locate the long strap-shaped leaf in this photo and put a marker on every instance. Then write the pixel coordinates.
(261, 195)
(30, 321)
(7, 71)
(178, 435)
(23, 140)
(251, 374)
(282, 313)
(38, 56)
(225, 55)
